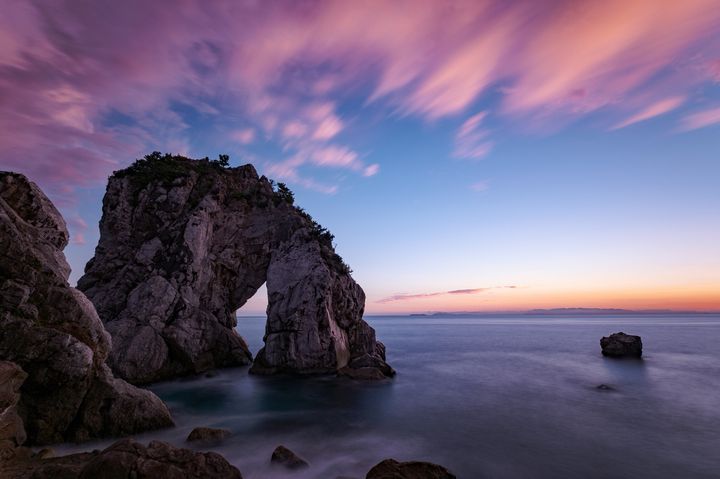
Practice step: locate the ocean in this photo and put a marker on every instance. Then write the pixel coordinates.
(487, 397)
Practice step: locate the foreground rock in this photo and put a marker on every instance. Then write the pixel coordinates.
(12, 430)
(208, 435)
(282, 456)
(127, 459)
(621, 345)
(185, 243)
(392, 469)
(53, 333)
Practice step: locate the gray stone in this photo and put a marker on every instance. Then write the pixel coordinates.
(621, 345)
(185, 243)
(54, 334)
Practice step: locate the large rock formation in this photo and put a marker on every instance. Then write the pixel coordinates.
(185, 243)
(619, 345)
(53, 333)
(12, 430)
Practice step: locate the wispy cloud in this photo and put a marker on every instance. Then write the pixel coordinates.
(656, 109)
(700, 119)
(80, 97)
(471, 140)
(467, 291)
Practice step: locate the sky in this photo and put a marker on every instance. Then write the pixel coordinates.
(467, 155)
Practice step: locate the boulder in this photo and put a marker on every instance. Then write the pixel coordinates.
(621, 345)
(208, 435)
(392, 469)
(53, 332)
(185, 243)
(282, 456)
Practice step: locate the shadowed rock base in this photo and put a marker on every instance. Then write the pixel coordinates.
(126, 459)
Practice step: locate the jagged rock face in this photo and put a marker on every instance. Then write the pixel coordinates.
(185, 243)
(53, 332)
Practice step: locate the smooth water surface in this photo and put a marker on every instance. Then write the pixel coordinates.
(495, 397)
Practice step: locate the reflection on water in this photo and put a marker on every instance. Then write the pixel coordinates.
(487, 397)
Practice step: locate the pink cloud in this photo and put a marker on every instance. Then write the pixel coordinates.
(468, 291)
(471, 139)
(656, 109)
(700, 119)
(480, 186)
(244, 136)
(81, 96)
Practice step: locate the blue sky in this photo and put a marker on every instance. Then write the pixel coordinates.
(466, 155)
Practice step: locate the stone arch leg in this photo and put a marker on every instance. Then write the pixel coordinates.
(314, 317)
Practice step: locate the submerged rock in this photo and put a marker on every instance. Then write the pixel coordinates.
(53, 333)
(129, 459)
(604, 387)
(185, 243)
(621, 345)
(282, 456)
(392, 469)
(208, 435)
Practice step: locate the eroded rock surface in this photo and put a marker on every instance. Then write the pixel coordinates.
(620, 345)
(185, 243)
(53, 332)
(12, 430)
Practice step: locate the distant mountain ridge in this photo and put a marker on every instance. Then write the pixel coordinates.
(560, 312)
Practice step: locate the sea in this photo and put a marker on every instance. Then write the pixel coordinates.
(506, 396)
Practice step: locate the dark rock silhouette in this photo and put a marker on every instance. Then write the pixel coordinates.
(185, 243)
(392, 469)
(126, 459)
(53, 333)
(621, 345)
(208, 435)
(282, 456)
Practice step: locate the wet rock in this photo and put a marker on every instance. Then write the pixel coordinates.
(621, 345)
(185, 243)
(392, 469)
(208, 435)
(282, 456)
(604, 387)
(53, 333)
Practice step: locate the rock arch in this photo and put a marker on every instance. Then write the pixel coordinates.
(185, 243)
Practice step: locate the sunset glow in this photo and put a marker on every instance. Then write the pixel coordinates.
(467, 155)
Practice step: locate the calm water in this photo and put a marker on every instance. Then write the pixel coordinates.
(505, 397)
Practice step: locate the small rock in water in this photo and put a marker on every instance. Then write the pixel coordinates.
(604, 387)
(208, 434)
(620, 345)
(282, 456)
(392, 469)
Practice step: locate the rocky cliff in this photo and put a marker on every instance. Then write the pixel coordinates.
(53, 332)
(185, 243)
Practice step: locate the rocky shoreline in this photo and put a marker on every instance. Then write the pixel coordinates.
(184, 243)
